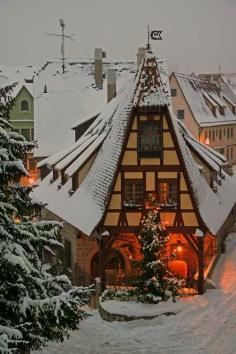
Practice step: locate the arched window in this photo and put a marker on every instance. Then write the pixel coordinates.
(24, 106)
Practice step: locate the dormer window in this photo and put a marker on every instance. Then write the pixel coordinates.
(210, 103)
(230, 104)
(24, 106)
(149, 139)
(222, 110)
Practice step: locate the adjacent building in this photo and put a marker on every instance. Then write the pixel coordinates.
(208, 109)
(22, 112)
(137, 150)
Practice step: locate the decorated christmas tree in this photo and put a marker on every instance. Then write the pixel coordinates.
(154, 282)
(35, 306)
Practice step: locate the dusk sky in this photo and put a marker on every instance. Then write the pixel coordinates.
(198, 35)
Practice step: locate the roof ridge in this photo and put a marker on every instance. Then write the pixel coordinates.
(150, 90)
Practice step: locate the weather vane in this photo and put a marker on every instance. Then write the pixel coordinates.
(154, 35)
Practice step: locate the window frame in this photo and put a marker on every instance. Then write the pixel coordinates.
(21, 102)
(173, 92)
(168, 181)
(213, 135)
(124, 194)
(150, 153)
(180, 116)
(220, 134)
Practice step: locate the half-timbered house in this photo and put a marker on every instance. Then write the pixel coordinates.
(134, 151)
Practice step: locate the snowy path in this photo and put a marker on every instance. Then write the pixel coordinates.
(207, 325)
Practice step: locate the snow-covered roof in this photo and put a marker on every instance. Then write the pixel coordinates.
(70, 100)
(93, 193)
(85, 208)
(151, 90)
(87, 118)
(213, 206)
(199, 92)
(23, 75)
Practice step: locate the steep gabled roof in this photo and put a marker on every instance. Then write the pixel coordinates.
(108, 133)
(92, 196)
(150, 91)
(213, 206)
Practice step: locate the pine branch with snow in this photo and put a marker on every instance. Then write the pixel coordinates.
(35, 306)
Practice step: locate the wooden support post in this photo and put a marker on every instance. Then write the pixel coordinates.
(201, 265)
(102, 273)
(223, 246)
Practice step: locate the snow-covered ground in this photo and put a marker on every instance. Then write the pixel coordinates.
(206, 325)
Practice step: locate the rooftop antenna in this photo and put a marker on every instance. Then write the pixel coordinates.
(219, 68)
(148, 38)
(63, 36)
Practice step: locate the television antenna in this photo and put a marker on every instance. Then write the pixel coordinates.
(63, 37)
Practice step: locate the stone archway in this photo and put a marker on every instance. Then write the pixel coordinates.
(115, 267)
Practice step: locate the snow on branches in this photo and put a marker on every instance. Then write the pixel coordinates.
(35, 306)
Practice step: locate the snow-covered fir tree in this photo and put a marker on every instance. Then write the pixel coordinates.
(154, 282)
(35, 306)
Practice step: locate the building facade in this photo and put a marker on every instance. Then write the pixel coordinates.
(135, 151)
(22, 114)
(208, 110)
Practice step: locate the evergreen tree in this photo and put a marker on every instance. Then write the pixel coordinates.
(154, 282)
(35, 306)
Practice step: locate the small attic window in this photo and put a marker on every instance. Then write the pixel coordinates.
(24, 106)
(173, 92)
(180, 113)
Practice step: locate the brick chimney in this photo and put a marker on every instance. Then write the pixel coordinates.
(111, 84)
(98, 54)
(140, 54)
